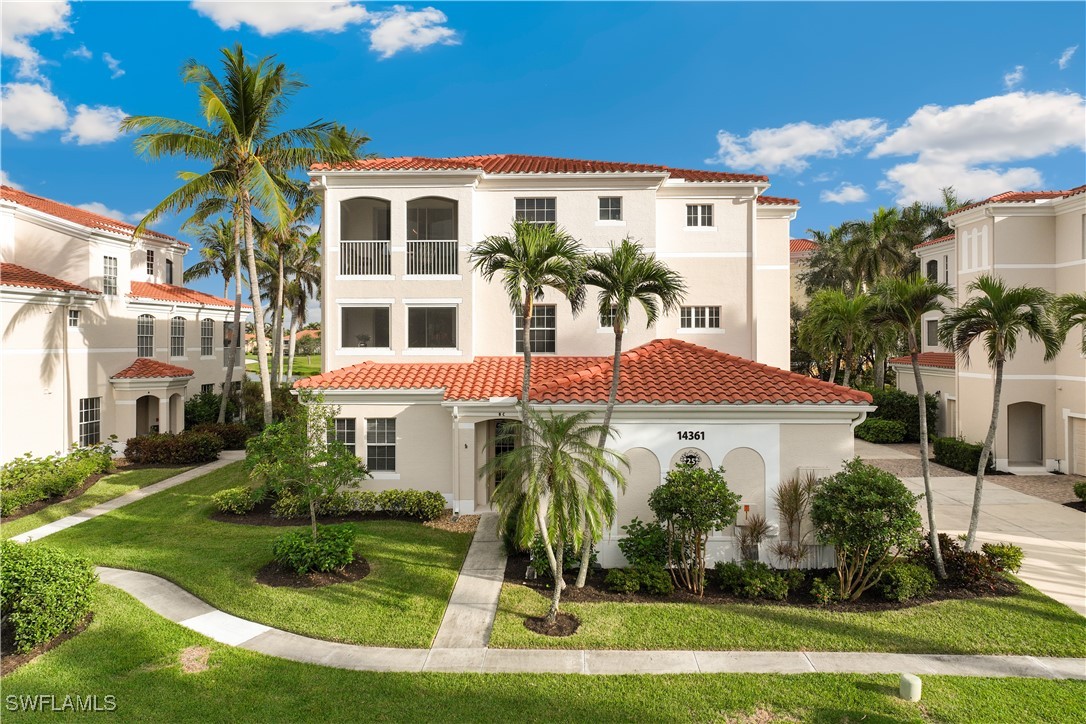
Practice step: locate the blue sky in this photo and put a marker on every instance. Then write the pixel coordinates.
(846, 106)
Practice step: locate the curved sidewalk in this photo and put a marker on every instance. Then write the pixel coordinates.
(183, 608)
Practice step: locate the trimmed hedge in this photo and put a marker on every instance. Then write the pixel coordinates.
(232, 434)
(905, 581)
(881, 431)
(236, 501)
(424, 505)
(27, 480)
(44, 592)
(894, 404)
(961, 455)
(332, 550)
(167, 449)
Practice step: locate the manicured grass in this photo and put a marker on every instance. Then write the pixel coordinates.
(133, 654)
(1029, 623)
(108, 488)
(304, 365)
(400, 603)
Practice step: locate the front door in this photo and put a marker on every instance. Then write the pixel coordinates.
(502, 441)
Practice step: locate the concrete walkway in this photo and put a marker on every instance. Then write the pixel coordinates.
(225, 458)
(469, 617)
(183, 608)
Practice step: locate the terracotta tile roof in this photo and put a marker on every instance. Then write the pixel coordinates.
(171, 293)
(76, 214)
(942, 360)
(663, 371)
(513, 163)
(1021, 197)
(13, 275)
(146, 368)
(801, 246)
(933, 242)
(777, 201)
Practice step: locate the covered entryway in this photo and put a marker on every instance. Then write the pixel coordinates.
(150, 397)
(1025, 434)
(147, 415)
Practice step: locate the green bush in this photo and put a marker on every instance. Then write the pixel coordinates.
(905, 581)
(1004, 556)
(751, 579)
(284, 403)
(187, 448)
(27, 479)
(882, 432)
(204, 408)
(236, 501)
(651, 579)
(961, 455)
(895, 404)
(289, 505)
(44, 592)
(363, 501)
(1080, 491)
(336, 505)
(422, 504)
(644, 544)
(622, 580)
(964, 569)
(728, 576)
(233, 435)
(823, 593)
(332, 549)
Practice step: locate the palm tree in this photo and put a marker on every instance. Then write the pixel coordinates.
(1071, 313)
(555, 484)
(250, 160)
(903, 304)
(216, 241)
(625, 275)
(536, 256)
(834, 315)
(305, 270)
(828, 266)
(875, 248)
(996, 316)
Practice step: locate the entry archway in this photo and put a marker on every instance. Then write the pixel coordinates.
(177, 413)
(744, 469)
(1025, 434)
(643, 477)
(147, 415)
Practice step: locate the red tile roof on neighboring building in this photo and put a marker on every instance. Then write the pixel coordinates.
(181, 295)
(514, 163)
(777, 201)
(942, 360)
(933, 242)
(801, 246)
(1021, 197)
(13, 275)
(77, 215)
(663, 371)
(145, 368)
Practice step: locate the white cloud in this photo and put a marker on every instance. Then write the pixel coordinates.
(1015, 77)
(114, 65)
(6, 180)
(100, 124)
(922, 180)
(97, 207)
(30, 108)
(403, 27)
(1065, 57)
(789, 146)
(846, 193)
(20, 21)
(279, 17)
(82, 52)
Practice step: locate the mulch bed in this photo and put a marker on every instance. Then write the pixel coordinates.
(278, 577)
(566, 624)
(595, 591)
(1077, 505)
(10, 661)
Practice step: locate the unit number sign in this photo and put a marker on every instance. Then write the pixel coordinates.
(691, 434)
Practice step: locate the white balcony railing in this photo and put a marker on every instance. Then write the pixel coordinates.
(365, 258)
(433, 257)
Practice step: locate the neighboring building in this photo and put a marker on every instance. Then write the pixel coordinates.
(799, 251)
(98, 336)
(1035, 238)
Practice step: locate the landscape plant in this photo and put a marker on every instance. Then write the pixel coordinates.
(881, 432)
(793, 499)
(905, 581)
(690, 504)
(44, 592)
(26, 479)
(189, 447)
(1004, 556)
(953, 452)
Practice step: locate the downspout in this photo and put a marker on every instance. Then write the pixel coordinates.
(456, 461)
(67, 385)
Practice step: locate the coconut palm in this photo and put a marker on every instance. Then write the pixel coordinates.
(249, 159)
(217, 245)
(626, 275)
(305, 284)
(1071, 313)
(534, 257)
(555, 484)
(833, 315)
(903, 304)
(828, 267)
(875, 247)
(997, 316)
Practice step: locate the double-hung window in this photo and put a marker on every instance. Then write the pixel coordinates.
(109, 275)
(145, 336)
(543, 332)
(381, 444)
(73, 317)
(536, 210)
(699, 214)
(207, 337)
(151, 264)
(607, 319)
(699, 317)
(343, 430)
(90, 421)
(610, 208)
(204, 389)
(177, 337)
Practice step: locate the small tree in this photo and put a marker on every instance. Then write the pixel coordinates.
(691, 504)
(300, 456)
(870, 519)
(793, 498)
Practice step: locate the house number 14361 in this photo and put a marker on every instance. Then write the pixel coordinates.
(691, 434)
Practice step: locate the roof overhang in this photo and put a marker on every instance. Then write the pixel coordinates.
(50, 297)
(150, 384)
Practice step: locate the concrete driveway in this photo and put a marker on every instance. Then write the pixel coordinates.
(1053, 536)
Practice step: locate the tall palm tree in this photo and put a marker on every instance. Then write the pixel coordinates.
(834, 314)
(217, 246)
(626, 275)
(997, 316)
(556, 484)
(534, 257)
(829, 265)
(305, 284)
(1071, 313)
(875, 247)
(249, 159)
(902, 304)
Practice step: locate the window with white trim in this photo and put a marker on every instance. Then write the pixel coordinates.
(933, 270)
(536, 210)
(431, 327)
(109, 275)
(364, 327)
(169, 271)
(207, 337)
(607, 319)
(343, 430)
(381, 444)
(610, 208)
(699, 214)
(90, 421)
(699, 317)
(151, 264)
(543, 333)
(73, 317)
(946, 269)
(177, 337)
(229, 338)
(204, 389)
(932, 332)
(145, 336)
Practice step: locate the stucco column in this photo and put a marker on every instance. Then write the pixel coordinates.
(124, 422)
(163, 421)
(466, 468)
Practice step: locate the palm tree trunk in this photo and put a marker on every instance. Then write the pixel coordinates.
(833, 368)
(277, 330)
(525, 338)
(985, 453)
(848, 364)
(293, 342)
(231, 355)
(880, 370)
(925, 464)
(258, 310)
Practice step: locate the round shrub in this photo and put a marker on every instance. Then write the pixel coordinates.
(331, 550)
(655, 580)
(335, 505)
(751, 579)
(189, 447)
(236, 501)
(882, 432)
(289, 505)
(728, 576)
(44, 592)
(422, 504)
(823, 593)
(622, 580)
(905, 581)
(644, 544)
(1080, 491)
(1004, 556)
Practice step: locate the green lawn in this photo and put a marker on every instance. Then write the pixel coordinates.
(401, 602)
(304, 365)
(133, 655)
(1029, 623)
(108, 488)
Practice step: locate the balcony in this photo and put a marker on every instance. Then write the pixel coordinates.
(433, 258)
(365, 258)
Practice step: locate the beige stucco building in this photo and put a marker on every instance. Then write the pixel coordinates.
(99, 338)
(1026, 238)
(800, 251)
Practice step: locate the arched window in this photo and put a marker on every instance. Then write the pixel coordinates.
(207, 337)
(145, 336)
(933, 270)
(177, 337)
